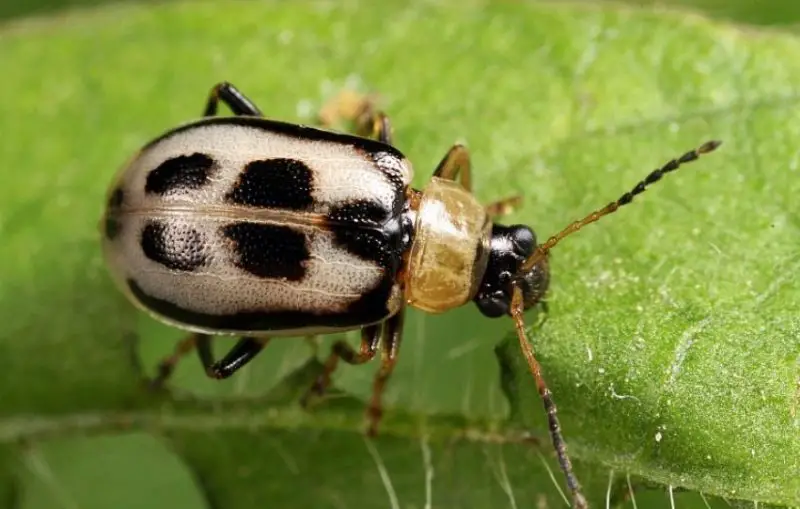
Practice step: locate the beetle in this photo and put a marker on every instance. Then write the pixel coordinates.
(240, 225)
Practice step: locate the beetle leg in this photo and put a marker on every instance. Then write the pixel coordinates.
(456, 164)
(242, 352)
(371, 123)
(230, 95)
(503, 207)
(370, 337)
(377, 126)
(392, 334)
(167, 366)
(359, 109)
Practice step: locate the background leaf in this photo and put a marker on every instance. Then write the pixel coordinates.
(768, 12)
(671, 343)
(97, 472)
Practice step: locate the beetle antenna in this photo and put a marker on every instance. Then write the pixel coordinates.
(560, 446)
(543, 249)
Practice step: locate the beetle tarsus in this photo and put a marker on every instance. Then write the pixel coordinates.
(218, 373)
(315, 391)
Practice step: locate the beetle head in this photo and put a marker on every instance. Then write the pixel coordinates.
(509, 247)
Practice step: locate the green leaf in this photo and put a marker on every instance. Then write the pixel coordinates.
(771, 12)
(97, 472)
(671, 342)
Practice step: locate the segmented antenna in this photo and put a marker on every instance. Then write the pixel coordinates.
(542, 250)
(518, 308)
(560, 446)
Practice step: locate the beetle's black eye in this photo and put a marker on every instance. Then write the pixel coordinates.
(524, 240)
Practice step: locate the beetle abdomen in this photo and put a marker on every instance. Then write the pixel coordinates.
(234, 227)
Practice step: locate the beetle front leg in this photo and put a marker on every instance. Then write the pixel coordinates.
(230, 95)
(392, 334)
(370, 337)
(456, 164)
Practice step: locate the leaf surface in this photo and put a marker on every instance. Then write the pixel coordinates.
(671, 342)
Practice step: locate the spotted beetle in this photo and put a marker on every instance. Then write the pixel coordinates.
(257, 228)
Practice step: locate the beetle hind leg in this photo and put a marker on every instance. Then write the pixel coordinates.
(370, 337)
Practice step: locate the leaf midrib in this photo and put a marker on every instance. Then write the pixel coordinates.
(250, 417)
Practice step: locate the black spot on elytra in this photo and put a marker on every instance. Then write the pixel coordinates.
(369, 231)
(116, 198)
(283, 183)
(370, 245)
(360, 212)
(373, 304)
(174, 245)
(269, 251)
(180, 173)
(112, 224)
